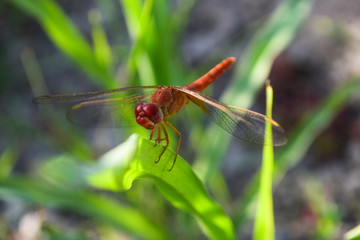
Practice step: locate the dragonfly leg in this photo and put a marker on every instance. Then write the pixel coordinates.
(152, 134)
(159, 139)
(166, 138)
(179, 142)
(159, 134)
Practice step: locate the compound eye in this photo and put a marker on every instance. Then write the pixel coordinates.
(153, 112)
(150, 109)
(139, 109)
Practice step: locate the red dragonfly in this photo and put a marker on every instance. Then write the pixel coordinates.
(154, 105)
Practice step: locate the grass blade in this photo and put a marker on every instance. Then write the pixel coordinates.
(264, 221)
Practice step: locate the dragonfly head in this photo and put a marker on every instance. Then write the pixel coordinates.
(147, 115)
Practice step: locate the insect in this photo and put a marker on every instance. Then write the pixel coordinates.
(154, 105)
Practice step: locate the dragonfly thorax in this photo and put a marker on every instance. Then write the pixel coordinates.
(169, 100)
(147, 115)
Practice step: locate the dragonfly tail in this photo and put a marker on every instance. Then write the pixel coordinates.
(201, 83)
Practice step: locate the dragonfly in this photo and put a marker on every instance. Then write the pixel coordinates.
(152, 106)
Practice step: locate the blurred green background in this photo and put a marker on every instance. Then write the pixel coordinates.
(60, 181)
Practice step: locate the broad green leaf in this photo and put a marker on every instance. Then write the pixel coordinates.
(264, 221)
(251, 73)
(135, 159)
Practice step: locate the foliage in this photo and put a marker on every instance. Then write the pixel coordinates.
(91, 188)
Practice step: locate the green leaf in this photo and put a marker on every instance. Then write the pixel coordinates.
(264, 221)
(135, 159)
(251, 74)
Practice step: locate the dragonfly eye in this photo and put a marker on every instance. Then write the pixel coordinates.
(153, 112)
(148, 115)
(138, 109)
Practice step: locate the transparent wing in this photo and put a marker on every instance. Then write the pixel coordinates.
(241, 123)
(107, 108)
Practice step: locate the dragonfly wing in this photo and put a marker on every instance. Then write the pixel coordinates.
(241, 123)
(107, 109)
(253, 125)
(90, 96)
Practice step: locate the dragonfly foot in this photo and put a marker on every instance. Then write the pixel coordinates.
(159, 158)
(161, 155)
(172, 166)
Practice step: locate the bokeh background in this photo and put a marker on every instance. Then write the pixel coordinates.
(314, 71)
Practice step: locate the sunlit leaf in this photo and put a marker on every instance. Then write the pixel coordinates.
(135, 159)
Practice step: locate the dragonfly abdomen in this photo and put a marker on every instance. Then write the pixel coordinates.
(201, 83)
